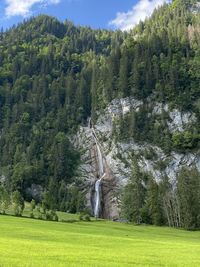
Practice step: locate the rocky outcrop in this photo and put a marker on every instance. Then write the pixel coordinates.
(177, 120)
(89, 172)
(118, 155)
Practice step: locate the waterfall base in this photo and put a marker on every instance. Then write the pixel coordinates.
(97, 207)
(106, 207)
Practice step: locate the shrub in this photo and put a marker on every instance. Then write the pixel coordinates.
(56, 218)
(84, 216)
(87, 218)
(33, 204)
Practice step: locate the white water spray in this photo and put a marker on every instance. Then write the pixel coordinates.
(101, 175)
(100, 160)
(97, 198)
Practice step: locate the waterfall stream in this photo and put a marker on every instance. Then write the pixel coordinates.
(100, 161)
(97, 197)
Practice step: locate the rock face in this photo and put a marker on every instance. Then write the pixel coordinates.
(118, 155)
(178, 121)
(89, 171)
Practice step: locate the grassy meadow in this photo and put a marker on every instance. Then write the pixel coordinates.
(36, 243)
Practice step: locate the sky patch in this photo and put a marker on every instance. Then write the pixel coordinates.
(23, 8)
(139, 12)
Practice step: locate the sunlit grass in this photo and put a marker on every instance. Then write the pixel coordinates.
(27, 242)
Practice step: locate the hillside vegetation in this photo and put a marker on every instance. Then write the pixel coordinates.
(54, 76)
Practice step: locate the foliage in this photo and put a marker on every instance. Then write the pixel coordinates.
(188, 195)
(4, 200)
(18, 203)
(54, 75)
(146, 201)
(84, 216)
(133, 195)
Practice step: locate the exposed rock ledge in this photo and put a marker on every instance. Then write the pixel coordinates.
(119, 155)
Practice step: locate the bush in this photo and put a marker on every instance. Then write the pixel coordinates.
(33, 204)
(56, 218)
(81, 217)
(84, 217)
(87, 218)
(49, 216)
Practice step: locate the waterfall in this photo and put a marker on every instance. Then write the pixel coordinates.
(98, 182)
(100, 161)
(97, 197)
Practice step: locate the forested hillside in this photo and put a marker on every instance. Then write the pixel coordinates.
(45, 79)
(157, 62)
(54, 76)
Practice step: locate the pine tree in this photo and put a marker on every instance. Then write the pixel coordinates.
(133, 196)
(123, 74)
(188, 190)
(154, 203)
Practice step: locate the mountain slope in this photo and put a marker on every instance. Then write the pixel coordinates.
(141, 90)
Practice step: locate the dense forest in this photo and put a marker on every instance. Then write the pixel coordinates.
(54, 75)
(45, 79)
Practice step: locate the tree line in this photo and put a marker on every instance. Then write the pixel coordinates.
(147, 201)
(54, 75)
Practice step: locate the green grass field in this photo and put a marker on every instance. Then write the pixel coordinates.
(27, 242)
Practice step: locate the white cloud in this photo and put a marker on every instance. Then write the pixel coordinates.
(23, 7)
(144, 8)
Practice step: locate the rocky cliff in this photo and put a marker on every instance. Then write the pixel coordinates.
(118, 155)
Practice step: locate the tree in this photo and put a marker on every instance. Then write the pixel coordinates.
(75, 200)
(18, 203)
(171, 207)
(188, 190)
(133, 196)
(4, 200)
(123, 74)
(153, 203)
(94, 96)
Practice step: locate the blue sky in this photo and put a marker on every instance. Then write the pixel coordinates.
(122, 14)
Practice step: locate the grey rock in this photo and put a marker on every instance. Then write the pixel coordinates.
(118, 155)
